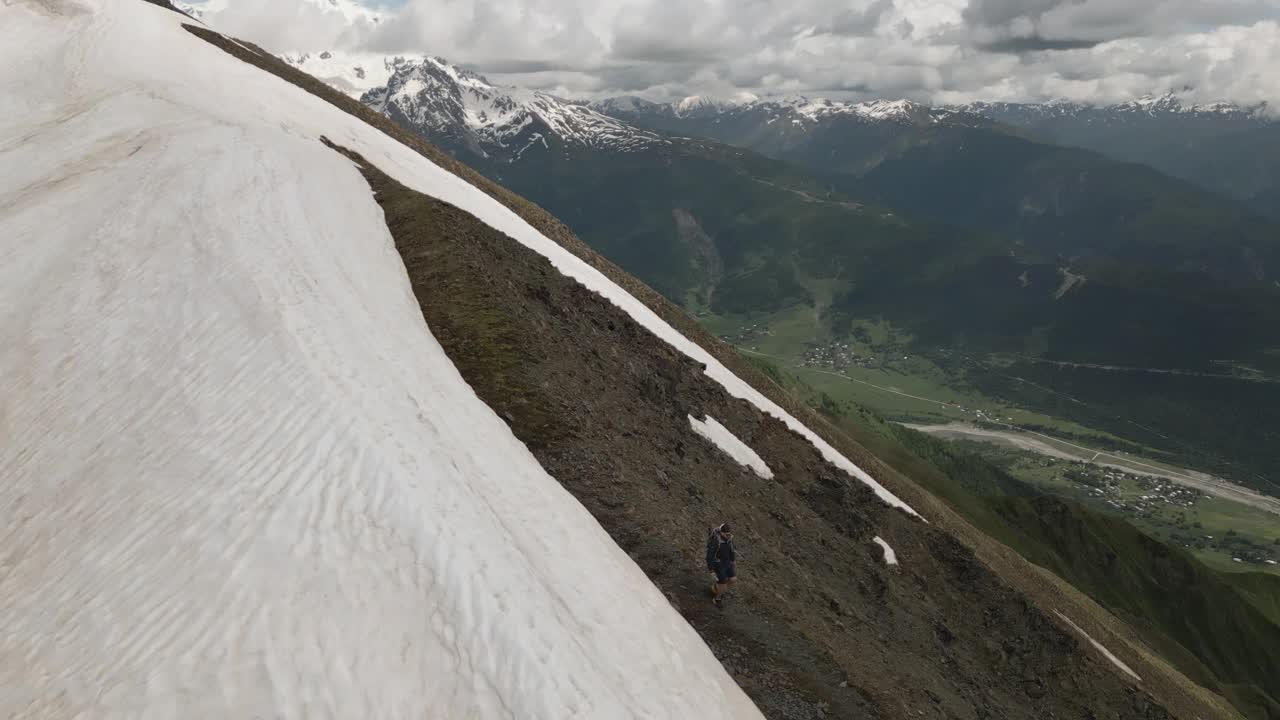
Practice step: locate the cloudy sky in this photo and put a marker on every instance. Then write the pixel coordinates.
(928, 50)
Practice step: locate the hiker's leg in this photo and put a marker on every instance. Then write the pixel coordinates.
(724, 577)
(727, 576)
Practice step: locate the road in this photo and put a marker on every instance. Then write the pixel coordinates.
(1048, 445)
(1053, 447)
(1154, 371)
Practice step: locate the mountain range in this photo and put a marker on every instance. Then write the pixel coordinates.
(1198, 143)
(755, 207)
(1188, 141)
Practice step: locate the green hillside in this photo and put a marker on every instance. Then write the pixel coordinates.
(1243, 165)
(1074, 203)
(733, 234)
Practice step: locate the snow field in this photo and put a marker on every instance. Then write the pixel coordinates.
(238, 476)
(730, 445)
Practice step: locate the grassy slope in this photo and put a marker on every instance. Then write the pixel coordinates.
(1168, 684)
(1194, 616)
(1244, 165)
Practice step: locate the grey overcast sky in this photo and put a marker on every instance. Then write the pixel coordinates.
(929, 50)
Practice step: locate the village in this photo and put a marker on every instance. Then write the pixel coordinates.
(1166, 507)
(748, 336)
(1111, 485)
(836, 357)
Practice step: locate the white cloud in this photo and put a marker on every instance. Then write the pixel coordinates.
(932, 50)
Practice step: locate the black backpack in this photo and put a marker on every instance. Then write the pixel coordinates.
(713, 546)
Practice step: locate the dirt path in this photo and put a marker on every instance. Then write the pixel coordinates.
(1049, 445)
(809, 197)
(1053, 447)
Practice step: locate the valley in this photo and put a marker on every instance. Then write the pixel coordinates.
(1225, 528)
(916, 392)
(875, 367)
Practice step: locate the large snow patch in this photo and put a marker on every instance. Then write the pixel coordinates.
(263, 98)
(238, 476)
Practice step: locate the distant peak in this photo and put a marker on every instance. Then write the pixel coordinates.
(696, 103)
(1168, 102)
(812, 109)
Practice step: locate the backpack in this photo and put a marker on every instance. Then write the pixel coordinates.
(713, 546)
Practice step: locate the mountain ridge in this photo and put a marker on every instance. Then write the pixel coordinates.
(894, 108)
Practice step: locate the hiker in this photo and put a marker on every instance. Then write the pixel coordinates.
(720, 560)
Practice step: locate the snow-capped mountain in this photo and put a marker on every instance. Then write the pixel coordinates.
(799, 110)
(461, 108)
(352, 73)
(1166, 106)
(805, 110)
(807, 131)
(1204, 144)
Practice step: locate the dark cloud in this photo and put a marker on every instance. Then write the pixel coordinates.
(1030, 25)
(510, 66)
(999, 12)
(663, 50)
(858, 89)
(1035, 43)
(857, 23)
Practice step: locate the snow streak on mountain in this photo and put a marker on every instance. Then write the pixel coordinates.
(240, 476)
